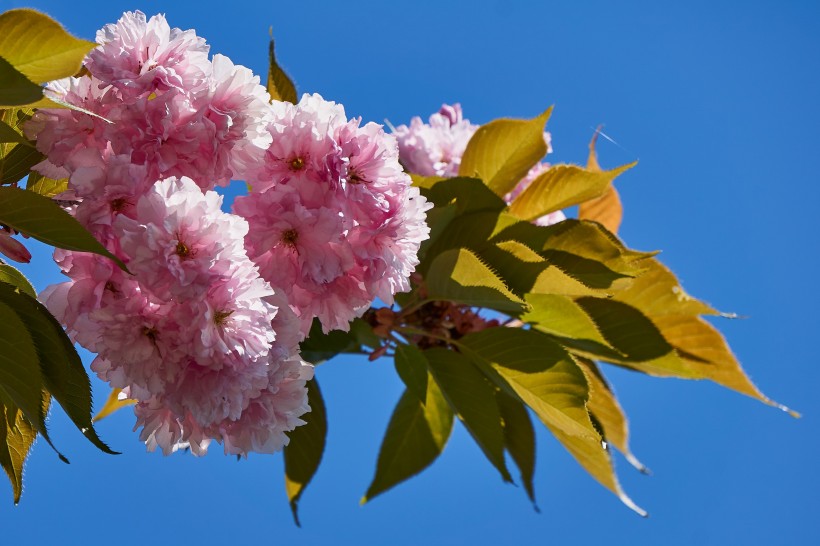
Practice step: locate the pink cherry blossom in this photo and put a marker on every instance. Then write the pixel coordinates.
(139, 55)
(435, 148)
(180, 241)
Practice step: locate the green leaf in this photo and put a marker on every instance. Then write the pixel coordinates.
(562, 186)
(17, 436)
(700, 351)
(566, 320)
(304, 451)
(468, 194)
(519, 439)
(607, 411)
(20, 377)
(280, 85)
(43, 219)
(16, 89)
(15, 165)
(63, 374)
(412, 369)
(364, 335)
(415, 437)
(47, 187)
(538, 370)
(501, 152)
(112, 404)
(470, 231)
(319, 346)
(39, 47)
(458, 275)
(472, 398)
(531, 367)
(12, 276)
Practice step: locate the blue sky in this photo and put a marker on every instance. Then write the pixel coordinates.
(719, 103)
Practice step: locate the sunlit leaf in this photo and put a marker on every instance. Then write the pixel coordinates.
(472, 398)
(12, 276)
(63, 374)
(606, 209)
(113, 403)
(43, 219)
(524, 271)
(14, 118)
(305, 449)
(501, 152)
(700, 351)
(562, 186)
(280, 85)
(415, 437)
(583, 250)
(17, 436)
(539, 372)
(47, 187)
(412, 369)
(519, 439)
(425, 182)
(458, 275)
(39, 47)
(561, 317)
(606, 409)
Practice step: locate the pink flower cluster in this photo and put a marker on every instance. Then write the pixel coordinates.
(435, 149)
(204, 332)
(334, 221)
(204, 344)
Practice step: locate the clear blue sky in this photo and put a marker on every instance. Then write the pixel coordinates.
(718, 101)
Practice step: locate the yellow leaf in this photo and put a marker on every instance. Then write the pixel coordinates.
(39, 47)
(700, 351)
(546, 378)
(116, 400)
(562, 186)
(17, 436)
(606, 409)
(607, 208)
(501, 152)
(280, 85)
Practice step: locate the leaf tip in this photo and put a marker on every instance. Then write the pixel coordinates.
(294, 509)
(639, 466)
(632, 506)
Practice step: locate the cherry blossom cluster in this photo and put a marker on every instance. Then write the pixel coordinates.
(207, 348)
(435, 149)
(334, 221)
